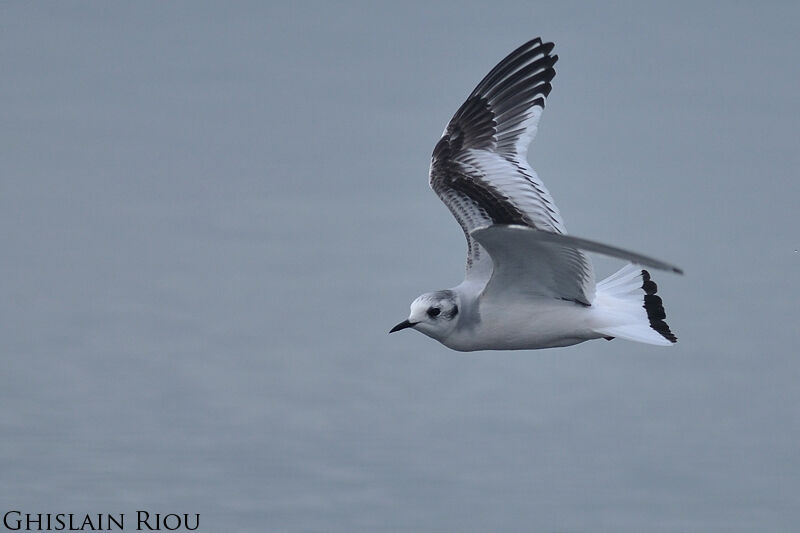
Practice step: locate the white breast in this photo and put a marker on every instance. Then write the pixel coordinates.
(545, 324)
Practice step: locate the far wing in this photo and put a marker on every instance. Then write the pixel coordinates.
(479, 167)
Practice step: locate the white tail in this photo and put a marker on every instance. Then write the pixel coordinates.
(628, 308)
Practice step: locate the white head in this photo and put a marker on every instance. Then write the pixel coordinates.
(434, 313)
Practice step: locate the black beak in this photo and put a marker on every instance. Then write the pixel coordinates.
(403, 325)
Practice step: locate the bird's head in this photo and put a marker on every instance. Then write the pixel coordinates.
(434, 313)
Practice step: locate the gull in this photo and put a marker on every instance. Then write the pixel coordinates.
(528, 284)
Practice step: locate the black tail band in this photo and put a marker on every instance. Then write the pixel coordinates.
(655, 308)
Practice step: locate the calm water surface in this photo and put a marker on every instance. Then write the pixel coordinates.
(211, 216)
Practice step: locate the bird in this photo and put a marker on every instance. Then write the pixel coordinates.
(528, 284)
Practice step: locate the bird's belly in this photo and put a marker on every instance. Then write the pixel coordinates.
(549, 325)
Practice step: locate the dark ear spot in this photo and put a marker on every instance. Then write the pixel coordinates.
(455, 310)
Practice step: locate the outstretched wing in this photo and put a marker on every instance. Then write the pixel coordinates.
(479, 167)
(542, 264)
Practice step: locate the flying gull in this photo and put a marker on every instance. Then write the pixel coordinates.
(528, 284)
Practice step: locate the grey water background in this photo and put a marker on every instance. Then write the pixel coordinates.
(212, 213)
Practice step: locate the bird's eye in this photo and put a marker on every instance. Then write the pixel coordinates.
(434, 312)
